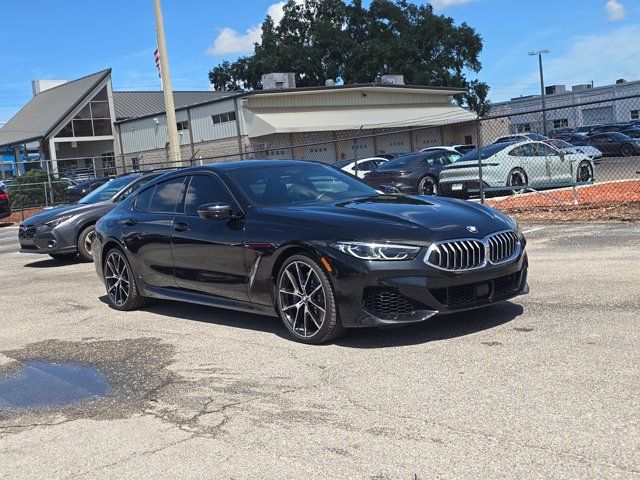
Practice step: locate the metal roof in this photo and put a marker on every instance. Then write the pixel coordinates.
(45, 111)
(143, 104)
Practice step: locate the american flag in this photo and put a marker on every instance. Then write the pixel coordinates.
(156, 56)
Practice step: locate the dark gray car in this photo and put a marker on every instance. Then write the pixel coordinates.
(66, 231)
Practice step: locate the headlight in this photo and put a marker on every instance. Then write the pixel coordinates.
(377, 251)
(57, 221)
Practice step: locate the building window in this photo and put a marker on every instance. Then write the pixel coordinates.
(183, 125)
(223, 117)
(468, 139)
(634, 114)
(560, 123)
(93, 120)
(523, 127)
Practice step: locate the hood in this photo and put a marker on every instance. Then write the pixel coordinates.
(57, 212)
(399, 218)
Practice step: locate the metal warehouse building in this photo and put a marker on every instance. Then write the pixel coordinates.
(84, 123)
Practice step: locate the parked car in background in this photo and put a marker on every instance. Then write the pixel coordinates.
(519, 165)
(632, 132)
(461, 149)
(66, 231)
(360, 167)
(417, 173)
(611, 127)
(79, 190)
(612, 144)
(5, 203)
(566, 147)
(307, 243)
(6, 183)
(521, 137)
(391, 156)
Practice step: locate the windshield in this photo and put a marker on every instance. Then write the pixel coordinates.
(108, 190)
(485, 152)
(298, 184)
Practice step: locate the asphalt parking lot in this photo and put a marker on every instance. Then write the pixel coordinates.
(546, 386)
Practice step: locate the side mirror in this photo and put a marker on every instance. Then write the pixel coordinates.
(215, 211)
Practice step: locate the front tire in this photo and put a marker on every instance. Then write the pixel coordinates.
(517, 178)
(428, 186)
(122, 291)
(84, 242)
(305, 301)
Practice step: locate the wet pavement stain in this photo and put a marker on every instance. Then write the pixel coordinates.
(43, 384)
(56, 381)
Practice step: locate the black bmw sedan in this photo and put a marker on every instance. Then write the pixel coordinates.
(308, 243)
(417, 173)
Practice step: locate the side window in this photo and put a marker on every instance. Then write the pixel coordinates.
(165, 197)
(134, 188)
(205, 189)
(144, 199)
(545, 150)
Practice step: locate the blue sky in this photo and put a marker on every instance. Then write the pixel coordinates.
(590, 40)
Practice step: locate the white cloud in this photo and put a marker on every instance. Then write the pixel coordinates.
(229, 41)
(601, 58)
(615, 10)
(439, 5)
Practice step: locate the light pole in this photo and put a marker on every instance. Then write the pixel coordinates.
(544, 110)
(172, 127)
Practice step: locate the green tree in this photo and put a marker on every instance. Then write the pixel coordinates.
(33, 190)
(475, 98)
(329, 39)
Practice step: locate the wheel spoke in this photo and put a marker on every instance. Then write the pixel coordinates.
(300, 282)
(288, 292)
(294, 284)
(316, 305)
(313, 318)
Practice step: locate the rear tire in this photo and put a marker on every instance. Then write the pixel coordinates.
(305, 301)
(84, 242)
(63, 257)
(428, 185)
(585, 172)
(517, 178)
(627, 150)
(119, 279)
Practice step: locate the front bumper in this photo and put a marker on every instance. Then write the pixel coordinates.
(384, 293)
(45, 240)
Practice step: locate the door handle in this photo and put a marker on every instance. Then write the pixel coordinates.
(180, 227)
(131, 222)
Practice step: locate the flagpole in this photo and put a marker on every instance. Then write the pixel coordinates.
(172, 126)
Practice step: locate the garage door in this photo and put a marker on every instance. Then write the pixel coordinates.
(394, 143)
(592, 116)
(318, 148)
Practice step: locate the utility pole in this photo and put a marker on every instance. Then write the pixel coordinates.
(172, 126)
(544, 107)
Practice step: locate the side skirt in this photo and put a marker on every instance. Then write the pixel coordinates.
(207, 300)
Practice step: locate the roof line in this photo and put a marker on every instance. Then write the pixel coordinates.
(359, 85)
(105, 73)
(106, 70)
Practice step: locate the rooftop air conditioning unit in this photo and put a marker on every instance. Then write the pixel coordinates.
(390, 80)
(554, 89)
(278, 81)
(581, 87)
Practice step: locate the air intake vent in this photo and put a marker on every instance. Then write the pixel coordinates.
(458, 255)
(502, 246)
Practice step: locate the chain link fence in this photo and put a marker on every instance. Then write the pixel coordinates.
(515, 159)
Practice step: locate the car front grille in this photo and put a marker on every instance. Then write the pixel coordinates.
(502, 246)
(387, 301)
(470, 293)
(458, 255)
(468, 254)
(27, 232)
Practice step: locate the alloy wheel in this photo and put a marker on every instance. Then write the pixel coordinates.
(117, 278)
(585, 172)
(428, 186)
(88, 239)
(517, 179)
(302, 299)
(626, 150)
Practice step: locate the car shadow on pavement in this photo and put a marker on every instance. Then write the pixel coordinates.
(438, 328)
(441, 327)
(5, 224)
(51, 263)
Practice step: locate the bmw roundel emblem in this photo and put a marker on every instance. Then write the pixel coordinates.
(472, 228)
